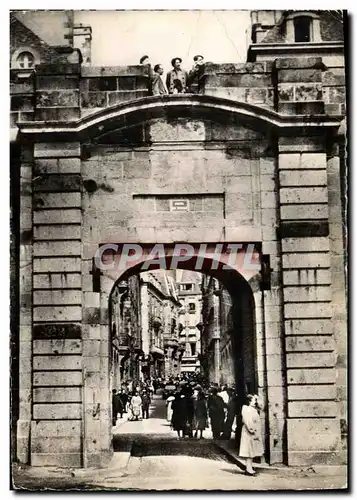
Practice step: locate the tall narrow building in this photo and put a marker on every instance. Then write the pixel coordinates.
(189, 294)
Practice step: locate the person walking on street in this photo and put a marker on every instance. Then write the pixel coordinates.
(216, 412)
(120, 403)
(230, 414)
(251, 445)
(151, 387)
(224, 394)
(136, 406)
(124, 398)
(146, 401)
(114, 407)
(190, 411)
(130, 413)
(200, 418)
(169, 402)
(179, 414)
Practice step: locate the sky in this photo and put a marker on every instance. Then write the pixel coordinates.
(122, 37)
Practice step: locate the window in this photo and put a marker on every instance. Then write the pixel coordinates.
(187, 286)
(302, 29)
(191, 307)
(25, 60)
(193, 349)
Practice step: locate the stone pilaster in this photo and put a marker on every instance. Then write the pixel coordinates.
(338, 284)
(312, 425)
(25, 320)
(57, 306)
(269, 330)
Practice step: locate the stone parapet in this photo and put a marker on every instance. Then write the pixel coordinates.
(250, 82)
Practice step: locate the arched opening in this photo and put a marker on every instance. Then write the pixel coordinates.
(136, 191)
(227, 350)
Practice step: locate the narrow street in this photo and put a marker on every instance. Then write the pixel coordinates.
(148, 456)
(158, 458)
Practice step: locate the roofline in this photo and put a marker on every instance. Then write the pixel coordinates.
(287, 48)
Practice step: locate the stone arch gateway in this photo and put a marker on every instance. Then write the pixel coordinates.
(113, 177)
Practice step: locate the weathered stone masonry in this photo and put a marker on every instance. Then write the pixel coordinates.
(259, 146)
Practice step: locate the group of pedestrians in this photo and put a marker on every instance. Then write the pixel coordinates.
(134, 400)
(193, 407)
(190, 409)
(189, 412)
(178, 80)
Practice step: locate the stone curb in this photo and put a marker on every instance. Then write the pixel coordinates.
(122, 457)
(324, 470)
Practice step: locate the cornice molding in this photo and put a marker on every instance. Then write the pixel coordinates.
(200, 106)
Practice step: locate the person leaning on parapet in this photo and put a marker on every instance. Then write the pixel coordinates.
(195, 73)
(176, 79)
(198, 65)
(157, 85)
(145, 61)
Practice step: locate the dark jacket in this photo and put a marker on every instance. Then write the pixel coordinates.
(216, 407)
(116, 404)
(179, 413)
(200, 409)
(146, 400)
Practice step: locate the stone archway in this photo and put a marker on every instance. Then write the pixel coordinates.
(247, 349)
(119, 176)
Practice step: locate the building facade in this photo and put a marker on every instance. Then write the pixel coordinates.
(220, 333)
(144, 326)
(210, 330)
(125, 311)
(256, 158)
(189, 294)
(159, 306)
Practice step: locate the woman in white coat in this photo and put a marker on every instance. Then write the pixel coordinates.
(169, 401)
(251, 445)
(136, 406)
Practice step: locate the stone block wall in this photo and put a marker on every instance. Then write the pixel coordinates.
(57, 93)
(299, 86)
(250, 82)
(134, 187)
(22, 103)
(103, 87)
(57, 306)
(310, 334)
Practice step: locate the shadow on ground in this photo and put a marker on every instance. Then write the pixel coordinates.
(159, 445)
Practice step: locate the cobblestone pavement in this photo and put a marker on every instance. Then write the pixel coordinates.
(148, 456)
